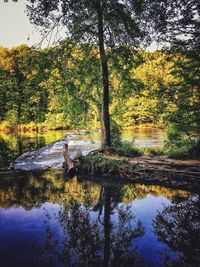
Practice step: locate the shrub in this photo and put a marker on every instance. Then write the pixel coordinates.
(115, 130)
(119, 147)
(180, 152)
(125, 149)
(152, 152)
(175, 137)
(177, 153)
(101, 164)
(178, 145)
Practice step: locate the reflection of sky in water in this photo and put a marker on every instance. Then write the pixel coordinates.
(20, 228)
(146, 210)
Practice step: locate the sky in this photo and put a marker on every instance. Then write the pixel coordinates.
(15, 28)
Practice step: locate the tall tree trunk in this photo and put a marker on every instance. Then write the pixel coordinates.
(106, 139)
(101, 123)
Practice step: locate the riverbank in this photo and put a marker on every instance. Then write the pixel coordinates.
(183, 174)
(33, 127)
(14, 145)
(124, 163)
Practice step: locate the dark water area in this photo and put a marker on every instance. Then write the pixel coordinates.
(46, 220)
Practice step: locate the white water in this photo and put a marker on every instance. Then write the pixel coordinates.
(51, 156)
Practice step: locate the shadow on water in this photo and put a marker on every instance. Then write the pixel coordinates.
(46, 220)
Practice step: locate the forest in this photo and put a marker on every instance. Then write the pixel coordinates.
(60, 88)
(99, 133)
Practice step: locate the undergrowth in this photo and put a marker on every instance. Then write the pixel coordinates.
(101, 164)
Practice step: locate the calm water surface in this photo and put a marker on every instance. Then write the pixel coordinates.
(142, 137)
(46, 220)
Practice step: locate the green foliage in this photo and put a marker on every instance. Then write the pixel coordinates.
(178, 145)
(101, 164)
(179, 152)
(60, 87)
(121, 148)
(11, 117)
(126, 149)
(55, 121)
(142, 87)
(175, 137)
(115, 134)
(152, 152)
(113, 25)
(21, 71)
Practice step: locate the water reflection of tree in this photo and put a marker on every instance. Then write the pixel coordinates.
(179, 227)
(29, 189)
(117, 237)
(11, 148)
(93, 241)
(15, 144)
(6, 154)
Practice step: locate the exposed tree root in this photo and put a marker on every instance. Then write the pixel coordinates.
(180, 174)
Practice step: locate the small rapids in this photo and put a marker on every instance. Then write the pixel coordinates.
(51, 156)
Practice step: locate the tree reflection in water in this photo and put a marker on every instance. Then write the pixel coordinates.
(179, 227)
(88, 237)
(93, 226)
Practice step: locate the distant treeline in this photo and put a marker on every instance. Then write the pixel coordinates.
(61, 86)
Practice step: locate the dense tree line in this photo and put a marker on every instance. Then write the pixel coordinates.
(21, 71)
(112, 26)
(61, 86)
(107, 24)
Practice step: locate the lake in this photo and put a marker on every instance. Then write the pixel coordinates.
(46, 220)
